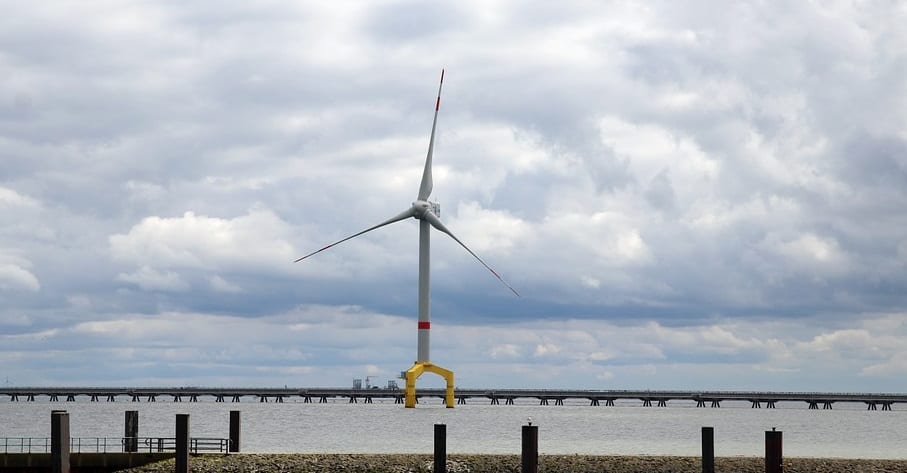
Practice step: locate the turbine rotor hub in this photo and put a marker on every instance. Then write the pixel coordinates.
(422, 206)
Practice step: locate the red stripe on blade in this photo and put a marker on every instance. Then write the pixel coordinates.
(424, 325)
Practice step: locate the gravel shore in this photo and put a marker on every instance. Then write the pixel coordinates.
(321, 463)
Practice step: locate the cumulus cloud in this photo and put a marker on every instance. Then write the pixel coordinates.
(15, 275)
(677, 190)
(150, 279)
(196, 241)
(11, 198)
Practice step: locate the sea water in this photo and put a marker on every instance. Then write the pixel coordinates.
(848, 430)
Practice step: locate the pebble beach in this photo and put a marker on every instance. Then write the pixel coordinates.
(405, 463)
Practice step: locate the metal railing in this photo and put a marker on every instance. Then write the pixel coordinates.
(26, 445)
(114, 444)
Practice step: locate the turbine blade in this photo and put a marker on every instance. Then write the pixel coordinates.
(436, 222)
(403, 215)
(426, 186)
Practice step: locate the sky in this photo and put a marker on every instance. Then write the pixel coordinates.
(687, 194)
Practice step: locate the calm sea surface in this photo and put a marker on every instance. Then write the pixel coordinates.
(847, 431)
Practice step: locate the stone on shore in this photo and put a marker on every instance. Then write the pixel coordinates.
(460, 463)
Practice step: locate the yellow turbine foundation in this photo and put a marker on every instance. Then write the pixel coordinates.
(413, 374)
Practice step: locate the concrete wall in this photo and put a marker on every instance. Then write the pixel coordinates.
(40, 462)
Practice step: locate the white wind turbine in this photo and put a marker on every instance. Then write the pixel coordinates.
(427, 213)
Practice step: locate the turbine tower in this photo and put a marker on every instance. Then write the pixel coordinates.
(427, 213)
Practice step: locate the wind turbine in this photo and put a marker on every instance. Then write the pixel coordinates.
(427, 213)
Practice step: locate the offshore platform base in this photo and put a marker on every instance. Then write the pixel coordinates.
(412, 374)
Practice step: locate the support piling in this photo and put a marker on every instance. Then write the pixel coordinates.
(773, 456)
(529, 457)
(131, 442)
(440, 448)
(182, 443)
(59, 441)
(235, 428)
(708, 450)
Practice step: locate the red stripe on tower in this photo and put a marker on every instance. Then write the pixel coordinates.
(424, 325)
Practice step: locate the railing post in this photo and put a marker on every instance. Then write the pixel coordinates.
(530, 451)
(59, 441)
(234, 432)
(440, 448)
(708, 450)
(182, 443)
(773, 457)
(131, 443)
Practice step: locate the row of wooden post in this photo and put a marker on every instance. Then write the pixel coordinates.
(773, 458)
(529, 462)
(529, 453)
(59, 439)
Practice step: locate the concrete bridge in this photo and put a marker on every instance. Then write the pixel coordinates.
(813, 400)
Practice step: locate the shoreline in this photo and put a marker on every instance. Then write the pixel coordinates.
(482, 463)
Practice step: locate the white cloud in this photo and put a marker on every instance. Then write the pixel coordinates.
(256, 239)
(15, 277)
(487, 231)
(11, 198)
(151, 279)
(507, 350)
(220, 284)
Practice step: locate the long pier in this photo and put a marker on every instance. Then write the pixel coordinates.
(713, 399)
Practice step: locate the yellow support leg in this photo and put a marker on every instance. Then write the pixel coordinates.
(413, 374)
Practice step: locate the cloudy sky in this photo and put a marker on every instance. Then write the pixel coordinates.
(695, 194)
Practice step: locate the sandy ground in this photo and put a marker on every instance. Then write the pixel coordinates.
(318, 463)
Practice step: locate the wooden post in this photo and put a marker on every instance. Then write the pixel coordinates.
(182, 443)
(440, 448)
(131, 443)
(59, 441)
(234, 432)
(773, 457)
(708, 450)
(530, 453)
